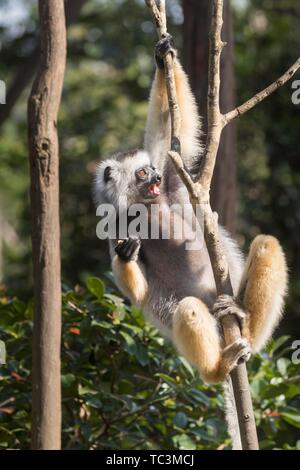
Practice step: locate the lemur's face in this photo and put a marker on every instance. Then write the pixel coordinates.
(127, 179)
(148, 181)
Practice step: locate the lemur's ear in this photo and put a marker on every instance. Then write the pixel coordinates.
(107, 175)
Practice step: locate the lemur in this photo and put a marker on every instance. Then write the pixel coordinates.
(174, 286)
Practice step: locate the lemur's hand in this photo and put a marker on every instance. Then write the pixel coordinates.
(162, 48)
(128, 249)
(226, 305)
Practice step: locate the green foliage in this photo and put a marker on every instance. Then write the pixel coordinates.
(124, 387)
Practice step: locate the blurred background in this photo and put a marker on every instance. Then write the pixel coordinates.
(119, 377)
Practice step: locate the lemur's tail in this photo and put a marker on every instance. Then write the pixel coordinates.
(231, 415)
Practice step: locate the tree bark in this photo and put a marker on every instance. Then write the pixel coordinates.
(197, 20)
(43, 105)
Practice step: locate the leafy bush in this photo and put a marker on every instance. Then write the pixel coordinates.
(124, 387)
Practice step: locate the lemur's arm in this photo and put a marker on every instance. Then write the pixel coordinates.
(158, 127)
(128, 271)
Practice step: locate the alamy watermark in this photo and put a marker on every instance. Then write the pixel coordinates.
(2, 353)
(154, 222)
(2, 92)
(296, 93)
(296, 353)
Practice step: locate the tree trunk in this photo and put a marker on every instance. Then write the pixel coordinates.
(197, 20)
(43, 107)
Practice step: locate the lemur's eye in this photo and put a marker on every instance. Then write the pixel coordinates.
(107, 175)
(141, 173)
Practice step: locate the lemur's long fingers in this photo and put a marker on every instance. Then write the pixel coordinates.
(162, 48)
(121, 248)
(127, 249)
(133, 247)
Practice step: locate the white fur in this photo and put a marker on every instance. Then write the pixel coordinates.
(115, 190)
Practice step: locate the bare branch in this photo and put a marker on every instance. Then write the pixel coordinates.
(151, 4)
(163, 17)
(215, 249)
(228, 117)
(214, 116)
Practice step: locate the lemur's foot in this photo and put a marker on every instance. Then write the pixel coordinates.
(128, 249)
(162, 48)
(236, 353)
(226, 305)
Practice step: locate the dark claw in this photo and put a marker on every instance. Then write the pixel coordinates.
(128, 249)
(227, 305)
(162, 48)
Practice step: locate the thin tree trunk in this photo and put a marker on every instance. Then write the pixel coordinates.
(43, 107)
(197, 20)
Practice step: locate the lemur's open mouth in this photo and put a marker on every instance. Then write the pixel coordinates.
(154, 190)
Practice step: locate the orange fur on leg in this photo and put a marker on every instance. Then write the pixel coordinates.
(196, 335)
(130, 280)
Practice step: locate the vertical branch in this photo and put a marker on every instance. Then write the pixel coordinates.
(43, 105)
(216, 251)
(214, 116)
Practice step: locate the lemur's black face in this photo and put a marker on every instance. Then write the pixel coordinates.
(148, 181)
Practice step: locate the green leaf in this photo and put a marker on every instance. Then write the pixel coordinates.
(102, 324)
(82, 390)
(142, 355)
(167, 378)
(199, 396)
(130, 345)
(274, 345)
(67, 380)
(136, 329)
(184, 442)
(180, 420)
(282, 365)
(96, 287)
(292, 418)
(187, 366)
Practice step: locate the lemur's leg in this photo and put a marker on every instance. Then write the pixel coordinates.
(262, 289)
(196, 335)
(127, 270)
(260, 299)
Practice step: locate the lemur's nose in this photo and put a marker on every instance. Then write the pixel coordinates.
(158, 178)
